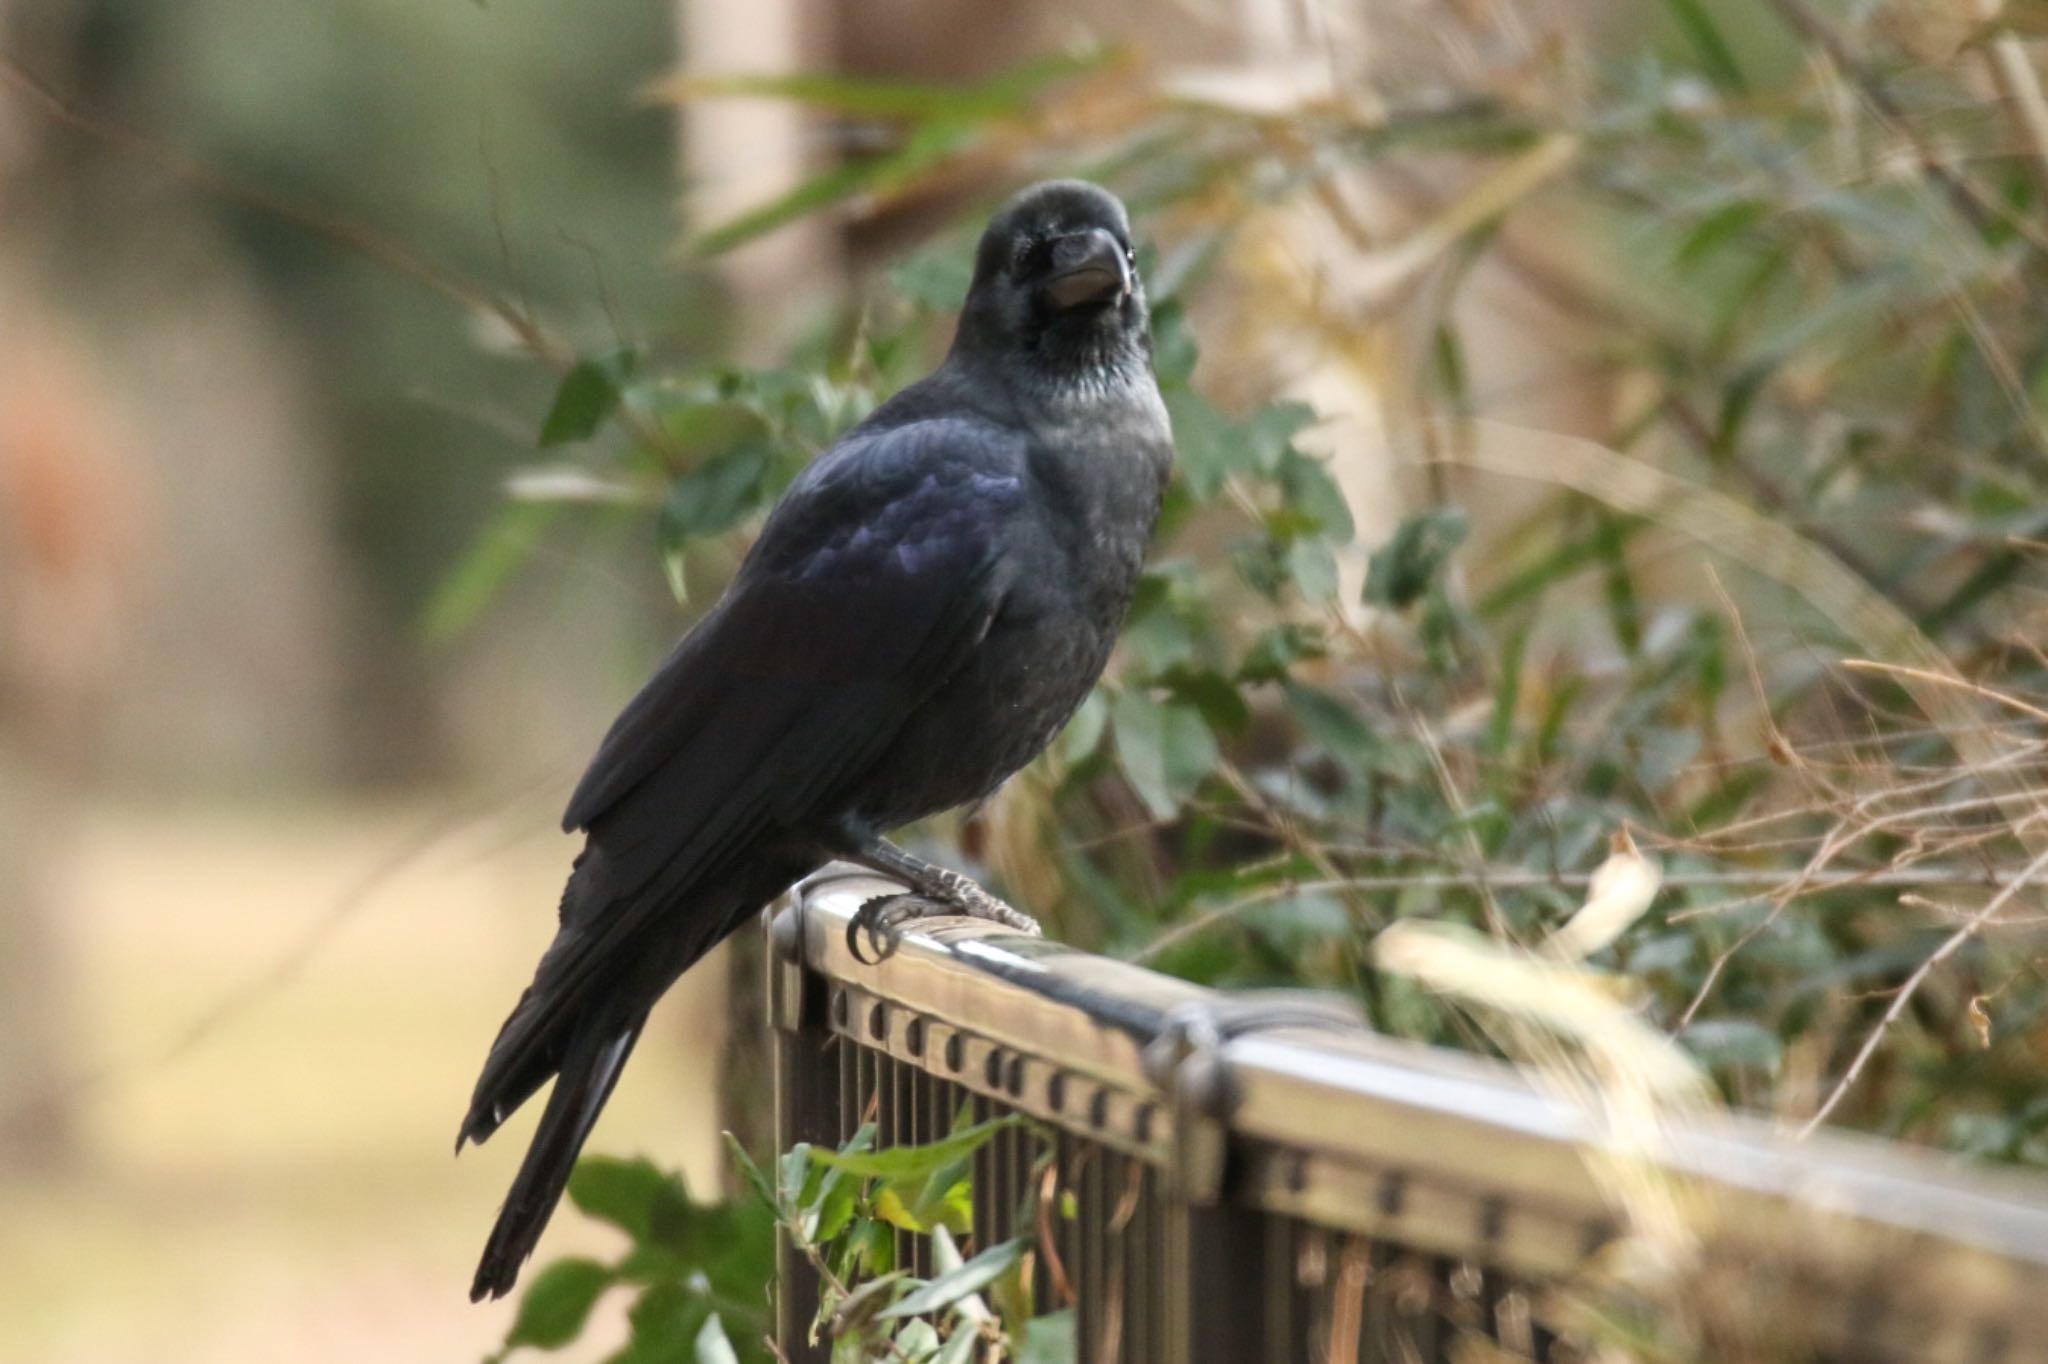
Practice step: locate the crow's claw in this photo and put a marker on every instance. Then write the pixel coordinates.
(879, 922)
(881, 919)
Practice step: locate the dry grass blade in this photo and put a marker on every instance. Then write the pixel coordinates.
(1591, 1051)
(1620, 893)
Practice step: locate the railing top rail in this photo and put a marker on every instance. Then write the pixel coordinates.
(1339, 1125)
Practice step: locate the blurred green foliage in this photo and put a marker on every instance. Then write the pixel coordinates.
(696, 1272)
(225, 147)
(863, 1218)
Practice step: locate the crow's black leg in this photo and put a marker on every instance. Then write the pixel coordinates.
(935, 891)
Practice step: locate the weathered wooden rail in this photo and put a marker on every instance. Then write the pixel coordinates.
(1257, 1178)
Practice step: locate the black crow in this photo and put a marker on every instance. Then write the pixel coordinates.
(925, 608)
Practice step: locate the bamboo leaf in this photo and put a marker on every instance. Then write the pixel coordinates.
(907, 1164)
(949, 1288)
(589, 393)
(1716, 57)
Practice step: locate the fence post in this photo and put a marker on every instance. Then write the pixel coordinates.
(806, 1110)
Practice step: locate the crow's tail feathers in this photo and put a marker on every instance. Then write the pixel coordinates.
(590, 1067)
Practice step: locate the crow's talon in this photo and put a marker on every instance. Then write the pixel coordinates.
(879, 921)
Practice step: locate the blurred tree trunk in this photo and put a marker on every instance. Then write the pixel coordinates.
(66, 530)
(37, 1112)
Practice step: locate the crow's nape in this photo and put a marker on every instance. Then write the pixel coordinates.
(590, 1068)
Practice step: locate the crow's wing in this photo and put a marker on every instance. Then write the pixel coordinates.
(874, 577)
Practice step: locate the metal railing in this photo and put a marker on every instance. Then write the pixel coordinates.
(1260, 1179)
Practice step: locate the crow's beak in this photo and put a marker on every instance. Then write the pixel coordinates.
(1088, 267)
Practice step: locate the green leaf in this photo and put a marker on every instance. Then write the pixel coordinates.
(1313, 570)
(1277, 650)
(1083, 734)
(756, 1181)
(918, 1340)
(632, 1195)
(665, 1319)
(1166, 749)
(1335, 724)
(1448, 353)
(838, 1201)
(1206, 446)
(1716, 57)
(1272, 430)
(936, 278)
(929, 146)
(557, 1303)
(1727, 223)
(1723, 1043)
(1173, 346)
(700, 431)
(1010, 92)
(792, 1172)
(1049, 1339)
(506, 541)
(1210, 692)
(1507, 693)
(1624, 613)
(959, 1347)
(711, 498)
(1407, 566)
(714, 496)
(1307, 488)
(1300, 924)
(890, 1207)
(913, 1164)
(589, 393)
(949, 1288)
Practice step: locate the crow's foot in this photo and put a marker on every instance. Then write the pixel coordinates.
(935, 891)
(875, 929)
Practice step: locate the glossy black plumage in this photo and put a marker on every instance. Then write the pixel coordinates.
(922, 612)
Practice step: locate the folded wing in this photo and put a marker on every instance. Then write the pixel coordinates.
(876, 575)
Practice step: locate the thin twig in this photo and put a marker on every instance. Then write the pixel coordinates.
(1948, 948)
(1523, 878)
(2006, 699)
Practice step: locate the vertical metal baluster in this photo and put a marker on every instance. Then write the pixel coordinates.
(1276, 1287)
(1080, 1240)
(866, 1092)
(1414, 1289)
(849, 1087)
(1022, 1149)
(1144, 1258)
(1145, 1246)
(998, 1179)
(918, 1123)
(984, 1180)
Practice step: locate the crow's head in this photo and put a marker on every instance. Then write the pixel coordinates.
(1056, 284)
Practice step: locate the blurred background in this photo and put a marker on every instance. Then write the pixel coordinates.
(274, 857)
(303, 640)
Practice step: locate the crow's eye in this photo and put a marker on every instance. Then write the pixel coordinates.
(1027, 254)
